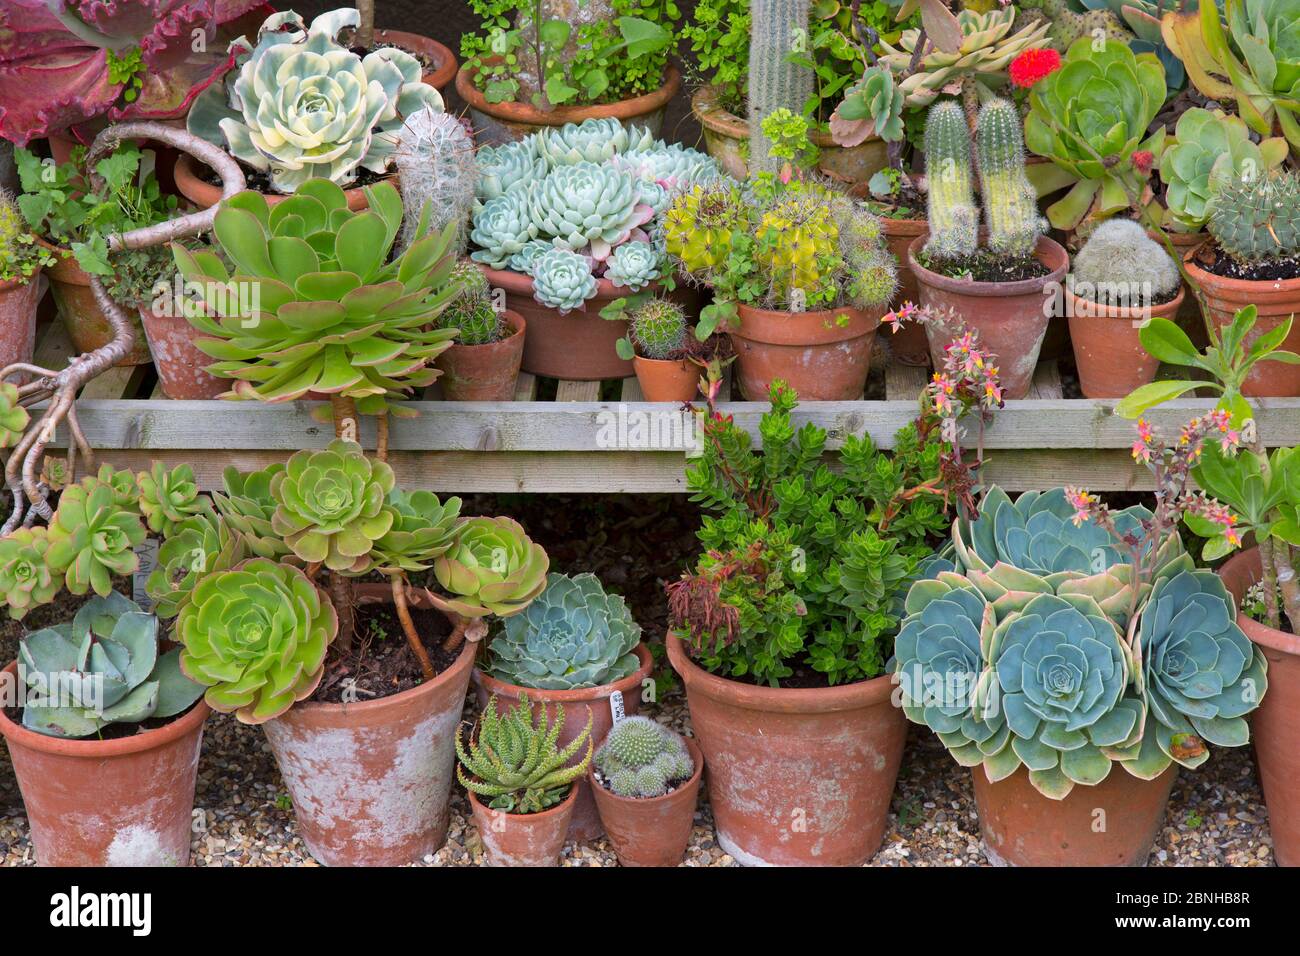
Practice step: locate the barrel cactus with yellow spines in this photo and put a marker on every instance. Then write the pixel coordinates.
(797, 244)
(699, 226)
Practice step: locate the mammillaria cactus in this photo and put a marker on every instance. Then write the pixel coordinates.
(953, 217)
(424, 528)
(436, 163)
(587, 208)
(641, 758)
(13, 417)
(26, 580)
(592, 141)
(658, 329)
(1120, 265)
(247, 506)
(493, 568)
(92, 538)
(563, 279)
(1259, 219)
(776, 81)
(1010, 203)
(633, 265)
(502, 228)
(169, 496)
(471, 312)
(196, 547)
(573, 635)
(256, 637)
(508, 166)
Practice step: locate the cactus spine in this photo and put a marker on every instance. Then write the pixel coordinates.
(1010, 203)
(953, 218)
(471, 310)
(777, 29)
(435, 159)
(1259, 218)
(659, 329)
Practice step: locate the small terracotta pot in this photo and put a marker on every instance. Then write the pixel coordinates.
(18, 302)
(1275, 726)
(908, 345)
(179, 363)
(652, 831)
(205, 194)
(665, 380)
(1021, 827)
(1107, 350)
(1189, 316)
(497, 123)
(1011, 317)
(484, 373)
(585, 824)
(726, 136)
(370, 781)
(88, 327)
(523, 839)
(797, 777)
(819, 354)
(123, 802)
(444, 60)
(1276, 302)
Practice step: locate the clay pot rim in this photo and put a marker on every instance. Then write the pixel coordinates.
(517, 326)
(66, 269)
(8, 285)
(197, 191)
(1125, 313)
(1245, 287)
(520, 283)
(1048, 249)
(632, 109)
(727, 123)
(100, 749)
(1246, 563)
(446, 65)
(638, 357)
(781, 700)
(777, 327)
(580, 696)
(541, 814)
(696, 755)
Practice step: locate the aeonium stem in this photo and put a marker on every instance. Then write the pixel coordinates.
(398, 583)
(343, 410)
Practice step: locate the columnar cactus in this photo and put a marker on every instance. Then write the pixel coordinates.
(778, 29)
(953, 218)
(435, 160)
(1010, 203)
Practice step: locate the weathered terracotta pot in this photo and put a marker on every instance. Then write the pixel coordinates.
(1275, 726)
(726, 138)
(123, 802)
(1021, 827)
(88, 327)
(484, 373)
(797, 777)
(908, 345)
(497, 123)
(823, 355)
(18, 302)
(652, 831)
(523, 839)
(205, 194)
(370, 781)
(1107, 350)
(585, 823)
(444, 69)
(1276, 302)
(1011, 317)
(664, 380)
(179, 363)
(578, 346)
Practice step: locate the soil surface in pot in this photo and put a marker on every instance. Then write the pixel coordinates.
(1271, 270)
(259, 181)
(986, 266)
(381, 661)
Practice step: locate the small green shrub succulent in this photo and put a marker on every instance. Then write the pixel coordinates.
(641, 758)
(13, 417)
(26, 580)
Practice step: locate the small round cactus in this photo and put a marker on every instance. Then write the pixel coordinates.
(641, 758)
(1121, 265)
(1258, 219)
(471, 310)
(659, 329)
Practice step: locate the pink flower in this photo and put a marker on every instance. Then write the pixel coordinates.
(1081, 502)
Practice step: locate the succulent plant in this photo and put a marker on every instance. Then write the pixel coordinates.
(1010, 203)
(870, 269)
(573, 635)
(247, 506)
(640, 758)
(1259, 219)
(471, 312)
(952, 214)
(492, 568)
(299, 105)
(671, 164)
(515, 759)
(196, 547)
(424, 528)
(1120, 265)
(526, 258)
(591, 141)
(799, 238)
(169, 496)
(508, 166)
(315, 304)
(502, 228)
(699, 225)
(13, 417)
(25, 577)
(658, 329)
(563, 279)
(126, 492)
(256, 637)
(92, 538)
(633, 265)
(330, 505)
(873, 106)
(587, 208)
(436, 163)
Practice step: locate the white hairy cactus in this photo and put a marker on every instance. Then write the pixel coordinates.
(435, 160)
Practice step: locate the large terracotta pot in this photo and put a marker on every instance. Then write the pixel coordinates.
(577, 346)
(797, 777)
(726, 138)
(370, 781)
(523, 839)
(823, 355)
(1107, 349)
(1275, 726)
(653, 831)
(1011, 317)
(205, 194)
(18, 302)
(1276, 302)
(179, 363)
(123, 802)
(497, 123)
(88, 327)
(908, 345)
(666, 380)
(585, 824)
(1021, 827)
(484, 373)
(444, 68)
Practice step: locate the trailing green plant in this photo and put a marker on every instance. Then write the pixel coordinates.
(1120, 265)
(1258, 220)
(471, 312)
(436, 164)
(21, 257)
(514, 758)
(641, 758)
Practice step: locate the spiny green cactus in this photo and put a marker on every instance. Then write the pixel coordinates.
(1258, 219)
(659, 329)
(953, 218)
(640, 758)
(435, 159)
(798, 238)
(1069, 25)
(699, 225)
(471, 310)
(1010, 203)
(872, 269)
(778, 28)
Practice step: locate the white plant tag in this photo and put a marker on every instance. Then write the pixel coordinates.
(616, 706)
(147, 551)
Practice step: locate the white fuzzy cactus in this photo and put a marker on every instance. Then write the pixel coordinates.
(435, 160)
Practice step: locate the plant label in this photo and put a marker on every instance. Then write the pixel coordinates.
(147, 551)
(616, 706)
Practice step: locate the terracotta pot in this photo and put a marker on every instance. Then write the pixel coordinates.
(444, 60)
(18, 302)
(821, 356)
(665, 380)
(797, 777)
(585, 824)
(1276, 301)
(652, 831)
(484, 373)
(1011, 317)
(370, 781)
(1021, 827)
(1107, 350)
(497, 123)
(1189, 316)
(908, 345)
(123, 802)
(205, 194)
(726, 138)
(179, 363)
(578, 346)
(88, 327)
(1275, 726)
(523, 839)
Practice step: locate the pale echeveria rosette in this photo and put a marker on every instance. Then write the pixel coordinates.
(524, 260)
(591, 141)
(587, 208)
(563, 280)
(507, 167)
(502, 229)
(633, 265)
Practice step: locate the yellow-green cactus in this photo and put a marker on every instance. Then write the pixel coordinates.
(798, 244)
(698, 226)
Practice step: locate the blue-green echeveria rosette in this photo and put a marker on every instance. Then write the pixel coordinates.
(563, 280)
(502, 228)
(573, 635)
(633, 265)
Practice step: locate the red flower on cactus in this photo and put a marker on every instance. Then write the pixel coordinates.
(1032, 65)
(1143, 160)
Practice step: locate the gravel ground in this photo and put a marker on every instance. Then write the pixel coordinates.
(1216, 816)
